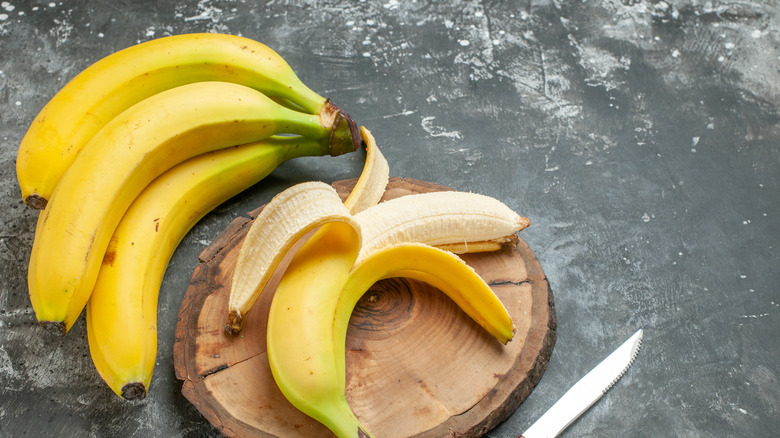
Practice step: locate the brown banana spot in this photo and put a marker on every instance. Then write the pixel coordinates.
(110, 255)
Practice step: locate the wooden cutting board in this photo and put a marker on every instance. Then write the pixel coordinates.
(417, 366)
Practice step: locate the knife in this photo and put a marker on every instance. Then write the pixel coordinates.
(586, 392)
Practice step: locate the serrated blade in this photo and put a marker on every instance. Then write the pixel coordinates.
(586, 392)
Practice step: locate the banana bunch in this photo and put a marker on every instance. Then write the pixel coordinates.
(350, 246)
(115, 83)
(130, 154)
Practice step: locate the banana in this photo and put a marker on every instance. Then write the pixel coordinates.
(125, 156)
(122, 309)
(300, 324)
(291, 215)
(307, 321)
(118, 81)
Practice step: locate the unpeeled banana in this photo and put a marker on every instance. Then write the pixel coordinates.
(111, 85)
(122, 309)
(123, 158)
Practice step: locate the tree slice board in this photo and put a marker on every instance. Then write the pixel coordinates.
(417, 366)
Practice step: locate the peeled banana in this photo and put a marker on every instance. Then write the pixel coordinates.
(438, 218)
(122, 309)
(350, 250)
(124, 157)
(312, 304)
(308, 320)
(111, 85)
(288, 217)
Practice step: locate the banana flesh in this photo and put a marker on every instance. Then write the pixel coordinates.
(438, 218)
(115, 83)
(287, 218)
(122, 309)
(122, 159)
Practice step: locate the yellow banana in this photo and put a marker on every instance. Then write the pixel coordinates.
(310, 311)
(468, 222)
(300, 327)
(122, 309)
(124, 157)
(111, 85)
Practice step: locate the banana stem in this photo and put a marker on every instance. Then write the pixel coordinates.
(296, 146)
(344, 134)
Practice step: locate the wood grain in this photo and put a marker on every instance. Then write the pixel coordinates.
(417, 366)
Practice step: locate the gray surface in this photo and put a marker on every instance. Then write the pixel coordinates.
(640, 137)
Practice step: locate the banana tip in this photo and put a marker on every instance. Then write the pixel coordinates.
(134, 391)
(54, 327)
(235, 322)
(523, 222)
(36, 202)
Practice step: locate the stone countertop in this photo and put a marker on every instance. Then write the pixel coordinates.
(641, 138)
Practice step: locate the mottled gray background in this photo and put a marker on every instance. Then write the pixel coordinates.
(641, 138)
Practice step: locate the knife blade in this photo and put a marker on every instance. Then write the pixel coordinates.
(587, 391)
